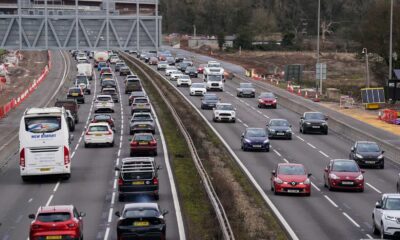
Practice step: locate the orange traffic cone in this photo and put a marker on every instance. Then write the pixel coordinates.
(299, 92)
(306, 95)
(288, 87)
(316, 99)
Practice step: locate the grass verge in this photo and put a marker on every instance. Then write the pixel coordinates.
(200, 220)
(248, 213)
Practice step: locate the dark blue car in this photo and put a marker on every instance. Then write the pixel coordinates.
(255, 139)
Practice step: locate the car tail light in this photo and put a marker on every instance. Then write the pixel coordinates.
(22, 157)
(155, 181)
(88, 133)
(120, 182)
(153, 142)
(134, 143)
(108, 133)
(67, 159)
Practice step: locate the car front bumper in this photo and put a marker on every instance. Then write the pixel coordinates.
(225, 118)
(256, 146)
(299, 188)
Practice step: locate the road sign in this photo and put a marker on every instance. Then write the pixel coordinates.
(320, 71)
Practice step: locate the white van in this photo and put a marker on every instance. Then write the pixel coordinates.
(214, 78)
(44, 140)
(85, 69)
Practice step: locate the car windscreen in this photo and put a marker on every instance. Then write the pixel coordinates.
(103, 99)
(345, 166)
(74, 90)
(98, 128)
(212, 98)
(141, 118)
(191, 69)
(246, 85)
(184, 77)
(225, 107)
(81, 78)
(54, 217)
(141, 213)
(279, 123)
(368, 147)
(291, 170)
(214, 78)
(314, 116)
(109, 92)
(392, 204)
(198, 85)
(42, 124)
(142, 137)
(141, 100)
(256, 133)
(267, 95)
(137, 94)
(102, 64)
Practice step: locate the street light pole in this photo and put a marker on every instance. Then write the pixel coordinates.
(365, 51)
(391, 41)
(318, 32)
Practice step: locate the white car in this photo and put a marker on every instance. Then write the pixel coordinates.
(198, 89)
(162, 65)
(224, 112)
(386, 216)
(99, 133)
(82, 57)
(114, 59)
(103, 103)
(169, 70)
(174, 75)
(183, 80)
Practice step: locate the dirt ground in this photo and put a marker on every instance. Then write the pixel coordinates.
(29, 69)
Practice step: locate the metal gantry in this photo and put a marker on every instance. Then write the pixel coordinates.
(76, 28)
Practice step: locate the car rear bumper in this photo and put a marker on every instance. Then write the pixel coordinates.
(66, 235)
(45, 170)
(98, 140)
(143, 149)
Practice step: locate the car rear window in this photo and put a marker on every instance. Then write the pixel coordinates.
(143, 137)
(140, 213)
(75, 90)
(98, 129)
(54, 217)
(109, 92)
(137, 175)
(103, 99)
(246, 85)
(345, 166)
(102, 117)
(141, 100)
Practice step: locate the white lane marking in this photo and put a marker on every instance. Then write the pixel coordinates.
(315, 186)
(239, 120)
(110, 215)
(30, 200)
(117, 162)
(284, 159)
(331, 201)
(247, 104)
(244, 124)
(107, 233)
(49, 201)
(351, 220)
(277, 153)
(326, 155)
(73, 154)
(259, 111)
(113, 198)
(309, 144)
(300, 138)
(369, 236)
(376, 190)
(265, 116)
(119, 152)
(56, 187)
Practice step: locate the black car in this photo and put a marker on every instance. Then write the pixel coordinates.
(209, 101)
(255, 139)
(191, 71)
(279, 128)
(137, 176)
(367, 154)
(124, 71)
(246, 90)
(179, 58)
(141, 221)
(182, 66)
(313, 122)
(77, 94)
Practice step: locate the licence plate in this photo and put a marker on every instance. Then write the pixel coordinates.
(45, 170)
(293, 190)
(141, 224)
(53, 237)
(75, 94)
(138, 183)
(370, 162)
(280, 134)
(267, 104)
(347, 183)
(140, 105)
(98, 135)
(142, 125)
(142, 143)
(104, 104)
(257, 146)
(315, 126)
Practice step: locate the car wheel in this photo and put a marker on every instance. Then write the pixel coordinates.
(233, 121)
(275, 106)
(308, 194)
(272, 187)
(112, 144)
(89, 92)
(290, 138)
(67, 176)
(267, 149)
(214, 119)
(303, 131)
(275, 192)
(153, 132)
(155, 153)
(86, 145)
(326, 132)
(25, 178)
(259, 105)
(361, 190)
(382, 231)
(156, 197)
(382, 165)
(131, 154)
(120, 198)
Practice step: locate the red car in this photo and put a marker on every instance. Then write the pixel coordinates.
(105, 70)
(291, 178)
(267, 99)
(201, 67)
(144, 143)
(104, 118)
(57, 222)
(344, 174)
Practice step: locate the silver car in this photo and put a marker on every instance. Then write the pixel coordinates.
(142, 122)
(140, 104)
(246, 90)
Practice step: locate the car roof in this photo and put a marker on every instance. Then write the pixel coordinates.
(254, 128)
(391, 195)
(313, 112)
(56, 208)
(291, 164)
(140, 205)
(365, 142)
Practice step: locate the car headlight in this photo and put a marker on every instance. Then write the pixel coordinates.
(266, 141)
(380, 156)
(308, 123)
(324, 124)
(289, 130)
(360, 177)
(390, 218)
(358, 155)
(272, 130)
(307, 181)
(247, 140)
(333, 176)
(216, 112)
(278, 180)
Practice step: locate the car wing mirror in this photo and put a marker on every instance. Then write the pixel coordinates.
(129, 139)
(378, 205)
(352, 149)
(31, 216)
(165, 212)
(273, 173)
(362, 171)
(383, 151)
(117, 169)
(242, 135)
(309, 175)
(118, 214)
(326, 169)
(82, 214)
(326, 117)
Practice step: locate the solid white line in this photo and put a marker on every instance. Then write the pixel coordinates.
(284, 159)
(326, 155)
(277, 153)
(309, 144)
(49, 201)
(300, 138)
(73, 154)
(351, 220)
(331, 201)
(110, 213)
(56, 187)
(247, 104)
(376, 190)
(315, 186)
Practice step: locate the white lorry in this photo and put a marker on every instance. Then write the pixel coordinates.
(85, 69)
(213, 75)
(101, 56)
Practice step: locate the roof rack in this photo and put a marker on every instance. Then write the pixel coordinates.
(137, 164)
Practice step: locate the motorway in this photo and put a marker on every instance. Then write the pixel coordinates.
(324, 215)
(92, 186)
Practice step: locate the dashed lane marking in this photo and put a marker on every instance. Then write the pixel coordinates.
(351, 220)
(331, 201)
(309, 144)
(315, 186)
(326, 155)
(374, 188)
